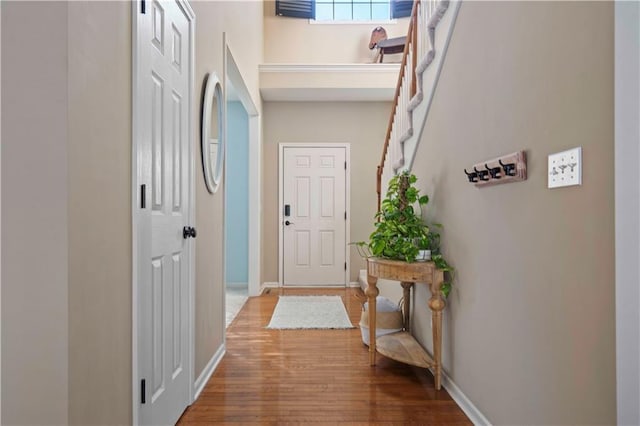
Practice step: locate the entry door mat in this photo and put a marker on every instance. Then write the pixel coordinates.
(309, 312)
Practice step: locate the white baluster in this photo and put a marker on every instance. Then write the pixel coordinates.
(423, 34)
(422, 20)
(407, 98)
(408, 72)
(391, 150)
(401, 106)
(399, 109)
(410, 68)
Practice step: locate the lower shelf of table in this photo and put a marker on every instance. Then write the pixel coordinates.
(403, 347)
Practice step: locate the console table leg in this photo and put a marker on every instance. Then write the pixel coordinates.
(437, 346)
(372, 293)
(437, 304)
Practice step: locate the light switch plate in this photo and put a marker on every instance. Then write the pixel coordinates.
(565, 168)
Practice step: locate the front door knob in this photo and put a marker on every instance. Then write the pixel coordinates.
(286, 222)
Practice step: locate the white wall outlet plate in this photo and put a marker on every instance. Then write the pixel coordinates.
(565, 168)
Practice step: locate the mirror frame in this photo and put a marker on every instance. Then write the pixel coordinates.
(212, 172)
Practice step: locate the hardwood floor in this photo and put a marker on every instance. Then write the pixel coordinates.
(313, 376)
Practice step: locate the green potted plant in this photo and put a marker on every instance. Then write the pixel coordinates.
(430, 243)
(400, 233)
(399, 223)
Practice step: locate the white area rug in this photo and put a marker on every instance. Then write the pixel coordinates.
(298, 312)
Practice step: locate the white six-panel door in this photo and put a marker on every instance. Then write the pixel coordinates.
(164, 161)
(314, 232)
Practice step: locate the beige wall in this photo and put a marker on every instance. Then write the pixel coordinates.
(80, 173)
(34, 214)
(70, 179)
(242, 21)
(296, 41)
(99, 212)
(362, 124)
(529, 333)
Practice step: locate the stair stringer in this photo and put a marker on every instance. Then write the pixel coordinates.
(429, 80)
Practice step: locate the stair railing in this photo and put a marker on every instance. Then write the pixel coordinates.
(416, 46)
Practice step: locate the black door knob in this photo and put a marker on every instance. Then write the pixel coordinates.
(286, 222)
(188, 231)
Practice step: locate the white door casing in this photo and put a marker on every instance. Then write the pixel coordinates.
(163, 205)
(233, 76)
(314, 184)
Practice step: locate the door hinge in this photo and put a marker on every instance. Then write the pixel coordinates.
(143, 196)
(345, 215)
(345, 165)
(143, 6)
(345, 266)
(143, 391)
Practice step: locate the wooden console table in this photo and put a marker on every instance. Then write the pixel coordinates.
(402, 346)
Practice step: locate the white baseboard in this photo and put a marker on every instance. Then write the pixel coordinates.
(277, 285)
(332, 286)
(267, 285)
(208, 371)
(465, 404)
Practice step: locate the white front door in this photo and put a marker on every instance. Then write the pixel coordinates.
(314, 216)
(163, 121)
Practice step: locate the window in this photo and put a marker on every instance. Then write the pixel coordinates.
(344, 10)
(353, 10)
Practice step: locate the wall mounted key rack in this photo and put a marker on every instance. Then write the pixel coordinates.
(505, 169)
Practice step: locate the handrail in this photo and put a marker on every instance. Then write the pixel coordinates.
(410, 50)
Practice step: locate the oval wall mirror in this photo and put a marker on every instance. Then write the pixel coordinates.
(212, 135)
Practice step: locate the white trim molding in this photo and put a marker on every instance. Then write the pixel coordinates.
(233, 76)
(268, 284)
(208, 370)
(465, 404)
(328, 82)
(372, 23)
(322, 68)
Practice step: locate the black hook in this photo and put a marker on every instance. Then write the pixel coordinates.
(509, 169)
(473, 176)
(482, 174)
(493, 171)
